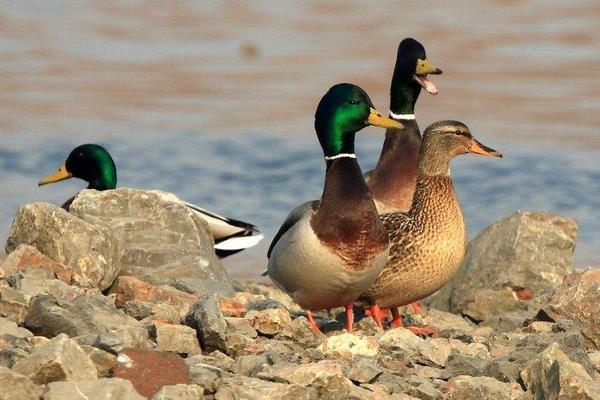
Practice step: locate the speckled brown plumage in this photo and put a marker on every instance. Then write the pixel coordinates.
(427, 243)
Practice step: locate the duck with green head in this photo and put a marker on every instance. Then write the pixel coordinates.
(427, 243)
(93, 164)
(392, 182)
(328, 252)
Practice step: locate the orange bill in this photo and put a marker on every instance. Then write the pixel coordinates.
(479, 148)
(59, 175)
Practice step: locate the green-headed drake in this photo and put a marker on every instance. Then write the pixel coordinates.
(392, 182)
(427, 243)
(327, 253)
(93, 164)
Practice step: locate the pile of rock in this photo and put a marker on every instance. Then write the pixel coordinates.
(62, 337)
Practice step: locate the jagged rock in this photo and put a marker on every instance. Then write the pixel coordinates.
(411, 386)
(160, 240)
(301, 333)
(231, 308)
(481, 388)
(148, 371)
(8, 327)
(206, 376)
(33, 282)
(92, 316)
(105, 388)
(129, 288)
(85, 248)
(179, 392)
(59, 359)
(489, 304)
(103, 360)
(241, 326)
(151, 312)
(595, 359)
(250, 365)
(433, 352)
(504, 371)
(13, 348)
(399, 341)
(216, 359)
(577, 299)
(271, 321)
(465, 364)
(554, 376)
(364, 371)
(272, 293)
(13, 304)
(206, 318)
(26, 257)
(176, 338)
(505, 321)
(440, 320)
(17, 387)
(347, 346)
(241, 387)
(522, 251)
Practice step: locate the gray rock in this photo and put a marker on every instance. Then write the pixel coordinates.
(176, 338)
(271, 321)
(59, 359)
(301, 333)
(206, 376)
(17, 387)
(159, 238)
(84, 315)
(179, 392)
(206, 318)
(105, 388)
(504, 371)
(149, 312)
(243, 388)
(577, 299)
(464, 364)
(399, 341)
(13, 304)
(215, 359)
(103, 360)
(532, 251)
(505, 322)
(272, 293)
(364, 371)
(481, 388)
(412, 386)
(250, 365)
(8, 327)
(554, 376)
(86, 248)
(241, 326)
(347, 346)
(13, 349)
(433, 352)
(30, 283)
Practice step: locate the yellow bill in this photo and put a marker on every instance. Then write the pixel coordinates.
(59, 175)
(377, 119)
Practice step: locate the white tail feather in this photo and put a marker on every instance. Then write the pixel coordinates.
(240, 242)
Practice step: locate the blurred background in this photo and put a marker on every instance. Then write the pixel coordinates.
(214, 100)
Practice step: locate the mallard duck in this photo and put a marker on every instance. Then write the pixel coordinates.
(392, 182)
(328, 252)
(427, 243)
(93, 164)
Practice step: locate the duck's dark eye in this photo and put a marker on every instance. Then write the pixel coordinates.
(353, 102)
(461, 133)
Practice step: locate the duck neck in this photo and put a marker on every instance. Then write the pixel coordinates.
(105, 180)
(392, 181)
(346, 199)
(404, 91)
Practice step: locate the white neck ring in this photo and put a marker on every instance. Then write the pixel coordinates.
(341, 155)
(402, 117)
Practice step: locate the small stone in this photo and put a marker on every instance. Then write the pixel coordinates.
(216, 359)
(176, 338)
(272, 293)
(400, 340)
(463, 364)
(481, 388)
(506, 321)
(538, 327)
(8, 327)
(504, 371)
(250, 365)
(271, 321)
(179, 392)
(206, 318)
(241, 387)
(207, 376)
(232, 308)
(148, 371)
(554, 375)
(347, 346)
(13, 304)
(440, 320)
(105, 388)
(433, 352)
(59, 359)
(26, 257)
(17, 387)
(103, 360)
(241, 326)
(364, 371)
(128, 288)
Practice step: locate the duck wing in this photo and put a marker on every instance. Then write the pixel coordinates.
(291, 220)
(230, 235)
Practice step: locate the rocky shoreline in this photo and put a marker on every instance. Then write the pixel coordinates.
(121, 299)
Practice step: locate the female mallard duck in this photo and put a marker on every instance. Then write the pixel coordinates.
(327, 253)
(392, 182)
(93, 164)
(427, 243)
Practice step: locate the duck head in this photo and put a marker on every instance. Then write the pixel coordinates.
(410, 75)
(89, 162)
(344, 110)
(444, 140)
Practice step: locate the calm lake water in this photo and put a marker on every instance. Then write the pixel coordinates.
(214, 101)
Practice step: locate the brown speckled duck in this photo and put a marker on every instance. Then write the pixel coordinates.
(392, 182)
(327, 253)
(427, 243)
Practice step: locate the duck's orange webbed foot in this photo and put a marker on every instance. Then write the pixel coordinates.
(312, 322)
(417, 330)
(417, 307)
(377, 314)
